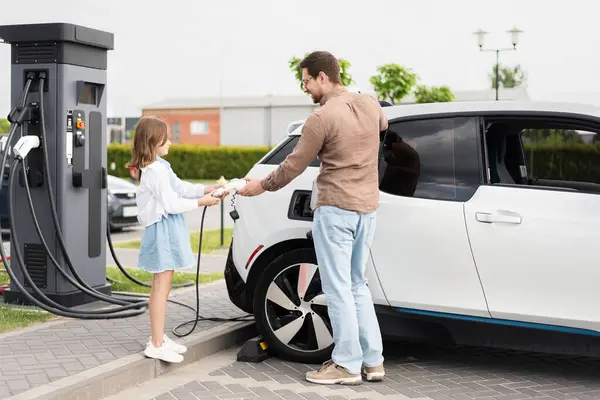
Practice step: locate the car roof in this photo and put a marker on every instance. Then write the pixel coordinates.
(467, 107)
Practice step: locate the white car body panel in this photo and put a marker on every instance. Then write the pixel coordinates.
(258, 227)
(416, 110)
(423, 259)
(546, 268)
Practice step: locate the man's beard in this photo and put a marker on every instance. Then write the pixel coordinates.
(316, 98)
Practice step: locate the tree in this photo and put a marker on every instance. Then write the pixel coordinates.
(4, 125)
(510, 77)
(393, 82)
(433, 94)
(294, 65)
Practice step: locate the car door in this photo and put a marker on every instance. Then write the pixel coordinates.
(421, 252)
(537, 243)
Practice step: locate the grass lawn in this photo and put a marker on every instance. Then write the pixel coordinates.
(211, 241)
(12, 317)
(21, 317)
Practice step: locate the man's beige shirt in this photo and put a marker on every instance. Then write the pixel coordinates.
(344, 133)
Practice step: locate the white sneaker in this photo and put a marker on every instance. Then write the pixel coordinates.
(176, 347)
(163, 353)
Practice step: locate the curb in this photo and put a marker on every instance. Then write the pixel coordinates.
(125, 373)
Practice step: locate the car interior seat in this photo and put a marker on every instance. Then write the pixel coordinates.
(497, 153)
(503, 173)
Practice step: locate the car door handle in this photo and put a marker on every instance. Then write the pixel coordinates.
(507, 217)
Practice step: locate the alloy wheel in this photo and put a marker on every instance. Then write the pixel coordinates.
(296, 309)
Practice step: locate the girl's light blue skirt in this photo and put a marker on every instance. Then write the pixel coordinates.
(166, 246)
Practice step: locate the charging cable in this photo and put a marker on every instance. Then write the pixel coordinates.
(138, 302)
(199, 317)
(17, 117)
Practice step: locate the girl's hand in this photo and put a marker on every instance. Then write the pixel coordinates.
(211, 188)
(208, 200)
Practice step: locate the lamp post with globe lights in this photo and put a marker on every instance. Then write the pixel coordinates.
(514, 37)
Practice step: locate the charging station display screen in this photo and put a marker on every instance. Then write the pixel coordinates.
(88, 93)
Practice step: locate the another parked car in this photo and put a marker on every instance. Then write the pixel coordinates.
(122, 209)
(487, 233)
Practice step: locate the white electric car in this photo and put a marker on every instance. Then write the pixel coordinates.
(488, 233)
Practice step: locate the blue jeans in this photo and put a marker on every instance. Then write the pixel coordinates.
(342, 239)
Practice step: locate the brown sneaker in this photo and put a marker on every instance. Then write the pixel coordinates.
(373, 374)
(332, 374)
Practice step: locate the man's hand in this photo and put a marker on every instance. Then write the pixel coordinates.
(252, 188)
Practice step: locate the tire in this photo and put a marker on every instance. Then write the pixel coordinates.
(286, 323)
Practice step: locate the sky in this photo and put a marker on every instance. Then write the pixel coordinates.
(197, 48)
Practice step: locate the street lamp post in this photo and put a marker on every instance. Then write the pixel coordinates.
(514, 37)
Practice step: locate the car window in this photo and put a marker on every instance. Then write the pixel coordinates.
(284, 149)
(544, 153)
(562, 155)
(431, 159)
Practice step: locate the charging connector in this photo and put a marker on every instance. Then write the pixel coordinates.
(25, 145)
(20, 115)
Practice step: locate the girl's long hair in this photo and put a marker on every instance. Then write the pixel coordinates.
(150, 133)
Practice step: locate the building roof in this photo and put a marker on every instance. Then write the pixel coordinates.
(515, 94)
(231, 102)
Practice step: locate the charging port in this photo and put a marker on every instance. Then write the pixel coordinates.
(300, 206)
(35, 85)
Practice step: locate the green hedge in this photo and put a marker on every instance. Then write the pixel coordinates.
(564, 161)
(195, 162)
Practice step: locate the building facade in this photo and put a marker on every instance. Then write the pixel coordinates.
(239, 121)
(199, 126)
(120, 130)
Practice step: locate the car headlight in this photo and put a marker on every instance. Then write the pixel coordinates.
(110, 196)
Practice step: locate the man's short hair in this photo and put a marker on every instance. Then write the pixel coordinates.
(318, 61)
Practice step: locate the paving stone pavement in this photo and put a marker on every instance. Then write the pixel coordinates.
(62, 348)
(413, 372)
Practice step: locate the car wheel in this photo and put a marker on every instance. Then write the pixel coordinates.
(290, 308)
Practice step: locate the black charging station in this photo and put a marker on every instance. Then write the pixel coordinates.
(72, 60)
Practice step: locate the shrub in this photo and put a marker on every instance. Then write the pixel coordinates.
(195, 162)
(564, 161)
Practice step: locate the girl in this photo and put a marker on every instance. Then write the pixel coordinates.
(162, 199)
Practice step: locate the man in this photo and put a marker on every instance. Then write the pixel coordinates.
(344, 133)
